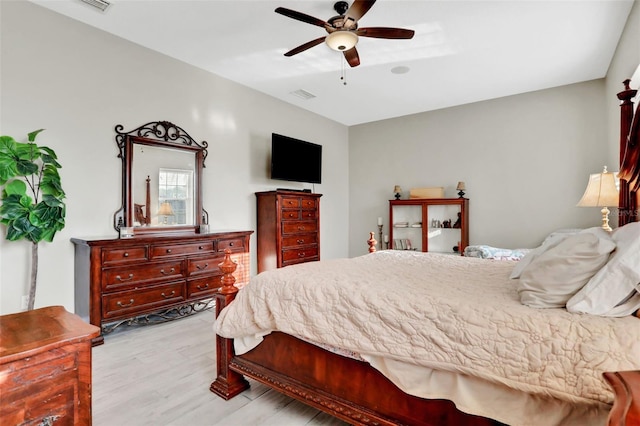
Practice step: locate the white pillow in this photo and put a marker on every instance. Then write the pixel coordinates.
(549, 242)
(553, 277)
(613, 291)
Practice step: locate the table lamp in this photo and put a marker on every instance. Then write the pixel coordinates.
(601, 192)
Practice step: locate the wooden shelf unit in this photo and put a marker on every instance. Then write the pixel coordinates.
(419, 213)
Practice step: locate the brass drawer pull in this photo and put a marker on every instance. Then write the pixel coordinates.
(126, 254)
(301, 254)
(300, 241)
(122, 305)
(168, 250)
(231, 244)
(119, 278)
(202, 268)
(162, 271)
(200, 247)
(173, 292)
(199, 287)
(300, 228)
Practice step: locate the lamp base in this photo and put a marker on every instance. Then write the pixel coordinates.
(461, 194)
(605, 219)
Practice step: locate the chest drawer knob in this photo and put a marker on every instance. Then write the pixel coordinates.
(202, 267)
(231, 244)
(200, 247)
(129, 278)
(168, 250)
(173, 292)
(124, 305)
(171, 271)
(126, 254)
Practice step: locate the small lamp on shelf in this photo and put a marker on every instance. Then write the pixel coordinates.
(165, 210)
(601, 192)
(397, 191)
(461, 188)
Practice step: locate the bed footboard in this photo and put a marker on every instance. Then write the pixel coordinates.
(626, 407)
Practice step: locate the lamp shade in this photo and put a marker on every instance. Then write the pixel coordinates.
(342, 40)
(397, 189)
(601, 190)
(461, 186)
(165, 209)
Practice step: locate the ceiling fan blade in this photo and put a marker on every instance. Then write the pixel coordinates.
(303, 47)
(302, 17)
(352, 57)
(385, 32)
(356, 11)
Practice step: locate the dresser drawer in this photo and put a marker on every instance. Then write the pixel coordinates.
(119, 278)
(234, 244)
(203, 287)
(204, 265)
(299, 240)
(290, 214)
(127, 303)
(290, 202)
(291, 256)
(309, 203)
(299, 226)
(309, 214)
(170, 250)
(124, 255)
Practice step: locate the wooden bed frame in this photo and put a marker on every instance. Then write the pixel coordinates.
(334, 383)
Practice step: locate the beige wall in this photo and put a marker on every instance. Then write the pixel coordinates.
(78, 83)
(525, 160)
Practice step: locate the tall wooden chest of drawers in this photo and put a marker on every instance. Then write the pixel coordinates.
(288, 229)
(45, 368)
(119, 279)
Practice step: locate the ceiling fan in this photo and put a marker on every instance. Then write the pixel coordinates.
(343, 31)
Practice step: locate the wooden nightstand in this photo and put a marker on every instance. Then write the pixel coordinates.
(45, 368)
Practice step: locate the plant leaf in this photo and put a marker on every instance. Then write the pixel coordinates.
(32, 135)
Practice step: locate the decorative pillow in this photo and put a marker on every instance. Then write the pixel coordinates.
(553, 277)
(613, 291)
(551, 241)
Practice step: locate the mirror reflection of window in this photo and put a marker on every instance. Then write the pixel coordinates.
(175, 196)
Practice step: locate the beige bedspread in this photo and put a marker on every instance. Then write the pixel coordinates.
(444, 312)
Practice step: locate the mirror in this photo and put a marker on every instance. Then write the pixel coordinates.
(161, 179)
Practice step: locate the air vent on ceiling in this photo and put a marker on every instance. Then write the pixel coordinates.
(303, 94)
(98, 4)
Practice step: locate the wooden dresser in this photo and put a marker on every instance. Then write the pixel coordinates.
(45, 368)
(118, 279)
(288, 228)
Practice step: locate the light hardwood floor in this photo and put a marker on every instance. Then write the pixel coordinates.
(160, 375)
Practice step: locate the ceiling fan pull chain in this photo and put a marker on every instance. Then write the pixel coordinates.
(343, 70)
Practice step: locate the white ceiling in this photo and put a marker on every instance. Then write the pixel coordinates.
(462, 51)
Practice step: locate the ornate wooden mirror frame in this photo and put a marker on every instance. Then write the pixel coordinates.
(165, 136)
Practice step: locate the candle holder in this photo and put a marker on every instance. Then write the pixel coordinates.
(380, 233)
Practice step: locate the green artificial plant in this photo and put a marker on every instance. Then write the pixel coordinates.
(32, 196)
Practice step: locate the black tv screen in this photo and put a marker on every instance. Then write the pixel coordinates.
(295, 160)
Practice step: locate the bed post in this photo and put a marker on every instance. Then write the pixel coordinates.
(627, 203)
(228, 383)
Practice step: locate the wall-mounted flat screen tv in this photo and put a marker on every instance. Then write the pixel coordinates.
(295, 160)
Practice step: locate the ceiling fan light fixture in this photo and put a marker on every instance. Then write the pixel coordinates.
(342, 40)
